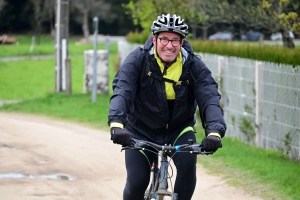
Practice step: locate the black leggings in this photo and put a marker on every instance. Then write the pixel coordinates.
(138, 171)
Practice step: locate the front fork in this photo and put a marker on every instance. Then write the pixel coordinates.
(163, 180)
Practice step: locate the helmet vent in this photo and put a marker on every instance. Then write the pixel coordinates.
(156, 24)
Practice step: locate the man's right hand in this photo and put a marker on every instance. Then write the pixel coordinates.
(120, 136)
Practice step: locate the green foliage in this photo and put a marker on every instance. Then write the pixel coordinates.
(144, 12)
(287, 142)
(247, 127)
(281, 11)
(135, 37)
(290, 20)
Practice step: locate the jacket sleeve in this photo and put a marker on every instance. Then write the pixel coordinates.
(124, 88)
(208, 99)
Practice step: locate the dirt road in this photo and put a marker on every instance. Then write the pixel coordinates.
(46, 159)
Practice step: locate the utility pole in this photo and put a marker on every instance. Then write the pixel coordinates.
(61, 47)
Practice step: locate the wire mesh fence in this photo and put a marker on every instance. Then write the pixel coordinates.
(261, 101)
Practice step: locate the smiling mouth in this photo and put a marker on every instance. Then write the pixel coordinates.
(168, 52)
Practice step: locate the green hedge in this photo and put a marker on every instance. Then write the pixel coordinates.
(251, 50)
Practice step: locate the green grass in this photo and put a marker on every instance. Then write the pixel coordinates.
(77, 107)
(259, 171)
(262, 172)
(26, 79)
(46, 47)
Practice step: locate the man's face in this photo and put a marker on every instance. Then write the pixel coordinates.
(164, 47)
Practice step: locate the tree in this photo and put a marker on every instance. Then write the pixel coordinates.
(92, 8)
(203, 14)
(50, 6)
(144, 12)
(122, 23)
(43, 11)
(284, 13)
(249, 13)
(207, 13)
(38, 17)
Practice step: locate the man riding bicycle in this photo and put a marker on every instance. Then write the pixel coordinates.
(155, 95)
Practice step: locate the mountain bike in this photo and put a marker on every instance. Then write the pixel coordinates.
(158, 187)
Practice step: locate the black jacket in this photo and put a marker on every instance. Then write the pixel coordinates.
(139, 102)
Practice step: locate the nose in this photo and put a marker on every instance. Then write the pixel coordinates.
(169, 45)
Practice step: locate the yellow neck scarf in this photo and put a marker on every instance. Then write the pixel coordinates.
(173, 73)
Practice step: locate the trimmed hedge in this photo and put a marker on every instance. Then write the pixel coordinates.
(251, 50)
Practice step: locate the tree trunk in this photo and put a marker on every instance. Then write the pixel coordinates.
(204, 32)
(194, 32)
(286, 39)
(38, 31)
(38, 22)
(51, 16)
(85, 27)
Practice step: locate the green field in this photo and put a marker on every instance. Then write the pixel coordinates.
(261, 172)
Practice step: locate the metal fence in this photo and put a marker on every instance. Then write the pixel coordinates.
(261, 100)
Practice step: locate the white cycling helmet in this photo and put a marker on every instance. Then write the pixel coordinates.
(169, 23)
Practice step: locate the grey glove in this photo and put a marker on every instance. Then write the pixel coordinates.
(120, 136)
(212, 143)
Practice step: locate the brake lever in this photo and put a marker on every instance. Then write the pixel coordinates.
(130, 146)
(124, 148)
(199, 150)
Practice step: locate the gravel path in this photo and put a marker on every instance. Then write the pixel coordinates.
(41, 158)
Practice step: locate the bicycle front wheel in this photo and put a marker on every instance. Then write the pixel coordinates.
(147, 194)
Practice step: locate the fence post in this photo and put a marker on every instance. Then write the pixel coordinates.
(68, 76)
(220, 73)
(64, 55)
(94, 91)
(258, 100)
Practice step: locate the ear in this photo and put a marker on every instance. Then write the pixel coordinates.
(153, 40)
(182, 41)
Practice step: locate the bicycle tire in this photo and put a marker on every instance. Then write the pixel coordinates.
(159, 196)
(147, 194)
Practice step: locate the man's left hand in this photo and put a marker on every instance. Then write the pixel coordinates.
(212, 143)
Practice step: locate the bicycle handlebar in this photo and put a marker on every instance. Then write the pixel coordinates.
(194, 148)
